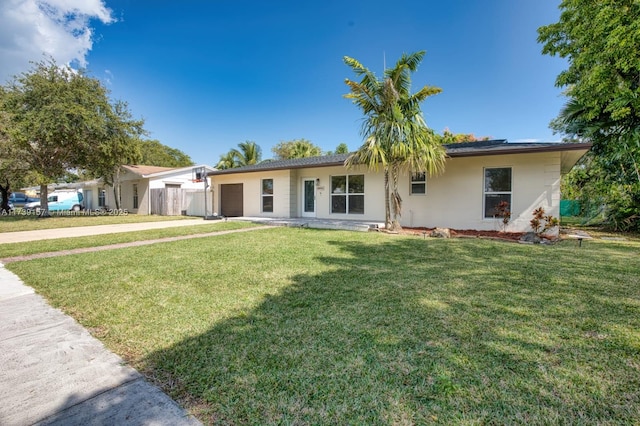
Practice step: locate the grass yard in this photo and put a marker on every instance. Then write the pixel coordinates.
(303, 326)
(571, 221)
(20, 222)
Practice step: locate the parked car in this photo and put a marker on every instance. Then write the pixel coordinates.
(19, 199)
(60, 200)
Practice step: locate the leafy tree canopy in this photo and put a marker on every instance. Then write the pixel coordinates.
(153, 153)
(56, 120)
(342, 148)
(449, 137)
(601, 41)
(298, 148)
(123, 146)
(12, 167)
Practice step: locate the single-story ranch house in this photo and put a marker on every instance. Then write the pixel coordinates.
(150, 190)
(477, 177)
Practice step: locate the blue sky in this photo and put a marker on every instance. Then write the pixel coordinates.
(209, 74)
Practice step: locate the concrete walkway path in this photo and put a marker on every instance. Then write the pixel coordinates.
(53, 372)
(83, 231)
(43, 255)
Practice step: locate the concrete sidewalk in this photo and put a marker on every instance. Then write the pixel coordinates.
(53, 372)
(82, 231)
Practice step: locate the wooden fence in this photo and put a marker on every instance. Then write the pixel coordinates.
(177, 201)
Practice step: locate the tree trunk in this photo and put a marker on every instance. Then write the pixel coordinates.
(116, 188)
(387, 209)
(633, 161)
(396, 200)
(116, 196)
(5, 191)
(44, 201)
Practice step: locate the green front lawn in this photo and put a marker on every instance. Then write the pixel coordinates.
(302, 326)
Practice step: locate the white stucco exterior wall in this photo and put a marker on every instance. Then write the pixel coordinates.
(252, 192)
(373, 193)
(454, 199)
(288, 192)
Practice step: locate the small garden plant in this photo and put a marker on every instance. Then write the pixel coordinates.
(503, 211)
(541, 222)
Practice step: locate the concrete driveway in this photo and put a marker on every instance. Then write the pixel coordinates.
(83, 231)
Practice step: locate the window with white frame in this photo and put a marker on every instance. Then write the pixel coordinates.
(497, 188)
(267, 195)
(135, 195)
(347, 194)
(102, 198)
(418, 183)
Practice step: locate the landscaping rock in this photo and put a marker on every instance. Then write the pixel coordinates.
(530, 237)
(552, 234)
(440, 233)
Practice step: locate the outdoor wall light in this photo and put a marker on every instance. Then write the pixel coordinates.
(318, 181)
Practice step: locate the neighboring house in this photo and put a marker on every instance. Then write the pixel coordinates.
(150, 190)
(477, 176)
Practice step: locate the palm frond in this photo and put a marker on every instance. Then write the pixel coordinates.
(371, 154)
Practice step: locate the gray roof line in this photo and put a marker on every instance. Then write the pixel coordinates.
(465, 149)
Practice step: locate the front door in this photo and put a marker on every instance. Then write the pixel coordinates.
(309, 198)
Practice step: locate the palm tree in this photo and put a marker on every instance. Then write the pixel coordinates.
(303, 148)
(248, 154)
(396, 136)
(297, 148)
(227, 161)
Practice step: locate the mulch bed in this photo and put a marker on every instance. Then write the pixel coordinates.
(468, 233)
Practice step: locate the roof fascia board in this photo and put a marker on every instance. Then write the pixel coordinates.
(505, 149)
(270, 169)
(179, 170)
(523, 150)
